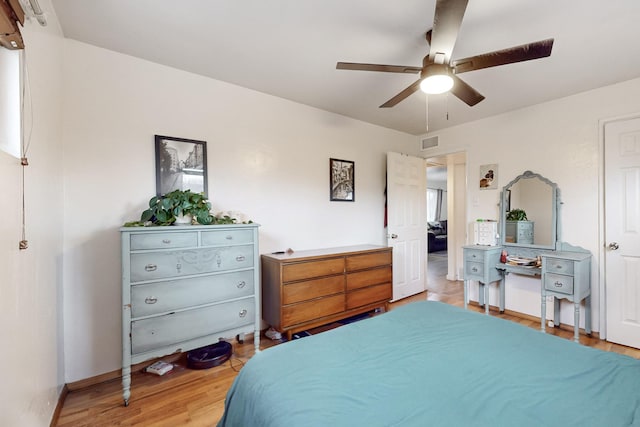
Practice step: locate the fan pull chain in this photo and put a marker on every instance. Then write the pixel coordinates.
(447, 101)
(426, 109)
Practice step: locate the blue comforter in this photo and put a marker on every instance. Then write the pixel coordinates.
(432, 364)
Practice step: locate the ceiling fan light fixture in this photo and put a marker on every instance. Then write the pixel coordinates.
(436, 79)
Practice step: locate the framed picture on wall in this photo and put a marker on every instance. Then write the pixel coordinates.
(181, 164)
(488, 177)
(342, 180)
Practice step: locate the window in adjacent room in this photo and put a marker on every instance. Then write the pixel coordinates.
(434, 204)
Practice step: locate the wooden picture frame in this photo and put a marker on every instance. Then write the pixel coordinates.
(181, 164)
(342, 180)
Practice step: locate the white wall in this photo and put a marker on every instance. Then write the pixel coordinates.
(267, 158)
(31, 280)
(559, 140)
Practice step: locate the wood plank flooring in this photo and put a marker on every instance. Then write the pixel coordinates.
(196, 397)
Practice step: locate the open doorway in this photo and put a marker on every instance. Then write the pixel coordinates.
(446, 219)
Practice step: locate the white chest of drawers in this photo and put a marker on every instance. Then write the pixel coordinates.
(186, 287)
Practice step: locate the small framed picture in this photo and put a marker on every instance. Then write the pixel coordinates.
(181, 164)
(488, 177)
(342, 180)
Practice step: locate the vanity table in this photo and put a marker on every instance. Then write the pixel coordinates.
(565, 270)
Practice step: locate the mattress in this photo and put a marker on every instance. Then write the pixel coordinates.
(432, 364)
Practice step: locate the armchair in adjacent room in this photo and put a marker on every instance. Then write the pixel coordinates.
(437, 236)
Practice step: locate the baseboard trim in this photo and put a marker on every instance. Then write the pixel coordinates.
(117, 374)
(56, 413)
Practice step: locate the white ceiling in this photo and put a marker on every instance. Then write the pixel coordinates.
(289, 48)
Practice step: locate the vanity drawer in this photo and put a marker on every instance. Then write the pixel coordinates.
(162, 297)
(156, 265)
(558, 283)
(561, 266)
(226, 237)
(310, 289)
(473, 255)
(172, 329)
(473, 269)
(163, 240)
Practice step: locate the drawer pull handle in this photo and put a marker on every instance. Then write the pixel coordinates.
(242, 313)
(229, 237)
(474, 269)
(473, 256)
(167, 241)
(240, 258)
(150, 267)
(241, 284)
(151, 300)
(559, 267)
(558, 284)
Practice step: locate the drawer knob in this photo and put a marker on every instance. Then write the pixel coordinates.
(558, 284)
(151, 300)
(241, 284)
(150, 267)
(240, 258)
(474, 269)
(242, 313)
(229, 237)
(559, 267)
(167, 241)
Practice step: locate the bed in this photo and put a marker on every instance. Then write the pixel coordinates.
(429, 363)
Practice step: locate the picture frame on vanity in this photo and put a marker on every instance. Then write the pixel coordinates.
(181, 164)
(342, 180)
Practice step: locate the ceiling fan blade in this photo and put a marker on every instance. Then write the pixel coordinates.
(402, 95)
(446, 25)
(525, 52)
(465, 93)
(378, 67)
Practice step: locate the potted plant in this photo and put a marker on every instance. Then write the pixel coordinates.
(516, 215)
(178, 206)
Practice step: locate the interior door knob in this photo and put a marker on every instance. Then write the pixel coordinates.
(393, 236)
(613, 246)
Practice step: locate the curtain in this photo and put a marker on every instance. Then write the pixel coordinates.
(435, 197)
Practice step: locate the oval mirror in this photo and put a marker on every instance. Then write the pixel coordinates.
(529, 212)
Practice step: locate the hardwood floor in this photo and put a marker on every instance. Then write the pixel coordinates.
(196, 397)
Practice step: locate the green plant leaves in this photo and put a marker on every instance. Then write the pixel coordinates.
(516, 215)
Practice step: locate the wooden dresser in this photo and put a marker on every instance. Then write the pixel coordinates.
(186, 287)
(306, 289)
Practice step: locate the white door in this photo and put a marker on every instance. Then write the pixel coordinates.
(622, 231)
(407, 219)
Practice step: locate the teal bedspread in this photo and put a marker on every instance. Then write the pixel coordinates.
(432, 364)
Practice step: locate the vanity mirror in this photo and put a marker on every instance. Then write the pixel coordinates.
(529, 212)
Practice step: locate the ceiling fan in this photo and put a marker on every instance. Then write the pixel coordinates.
(438, 73)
